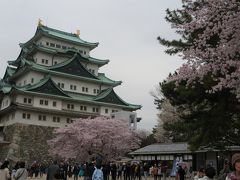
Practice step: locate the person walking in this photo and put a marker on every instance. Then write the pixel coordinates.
(53, 171)
(155, 171)
(210, 172)
(76, 169)
(97, 174)
(145, 170)
(21, 173)
(235, 175)
(4, 171)
(181, 173)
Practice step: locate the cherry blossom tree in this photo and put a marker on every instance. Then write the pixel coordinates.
(108, 138)
(205, 90)
(211, 47)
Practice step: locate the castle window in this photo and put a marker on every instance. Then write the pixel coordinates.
(29, 101)
(52, 44)
(75, 87)
(83, 89)
(46, 102)
(44, 118)
(46, 61)
(43, 61)
(25, 100)
(106, 111)
(55, 62)
(64, 47)
(13, 115)
(54, 103)
(68, 120)
(72, 106)
(86, 89)
(94, 91)
(62, 85)
(47, 43)
(32, 80)
(83, 108)
(59, 84)
(39, 117)
(58, 46)
(24, 115)
(54, 118)
(95, 109)
(58, 119)
(41, 101)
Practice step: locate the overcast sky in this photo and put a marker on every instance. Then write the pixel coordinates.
(126, 30)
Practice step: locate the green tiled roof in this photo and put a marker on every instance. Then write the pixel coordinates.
(74, 67)
(9, 72)
(67, 52)
(5, 87)
(98, 61)
(64, 36)
(109, 96)
(107, 80)
(46, 86)
(70, 52)
(27, 65)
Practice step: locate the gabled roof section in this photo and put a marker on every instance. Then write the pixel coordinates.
(9, 72)
(100, 62)
(74, 67)
(5, 87)
(45, 86)
(61, 35)
(69, 52)
(105, 79)
(109, 96)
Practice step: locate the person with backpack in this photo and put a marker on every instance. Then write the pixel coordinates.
(97, 174)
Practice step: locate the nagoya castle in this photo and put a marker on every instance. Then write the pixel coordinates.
(52, 82)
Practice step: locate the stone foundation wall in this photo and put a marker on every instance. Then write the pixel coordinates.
(27, 142)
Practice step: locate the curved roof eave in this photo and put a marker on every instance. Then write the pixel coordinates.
(99, 62)
(110, 92)
(73, 99)
(40, 68)
(44, 30)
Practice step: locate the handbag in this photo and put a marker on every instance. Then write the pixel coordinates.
(16, 178)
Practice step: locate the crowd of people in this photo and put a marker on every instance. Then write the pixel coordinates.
(105, 171)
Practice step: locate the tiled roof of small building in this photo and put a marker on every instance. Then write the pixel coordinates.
(163, 148)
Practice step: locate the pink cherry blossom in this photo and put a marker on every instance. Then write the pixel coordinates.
(108, 137)
(219, 19)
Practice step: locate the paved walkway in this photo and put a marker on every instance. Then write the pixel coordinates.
(149, 178)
